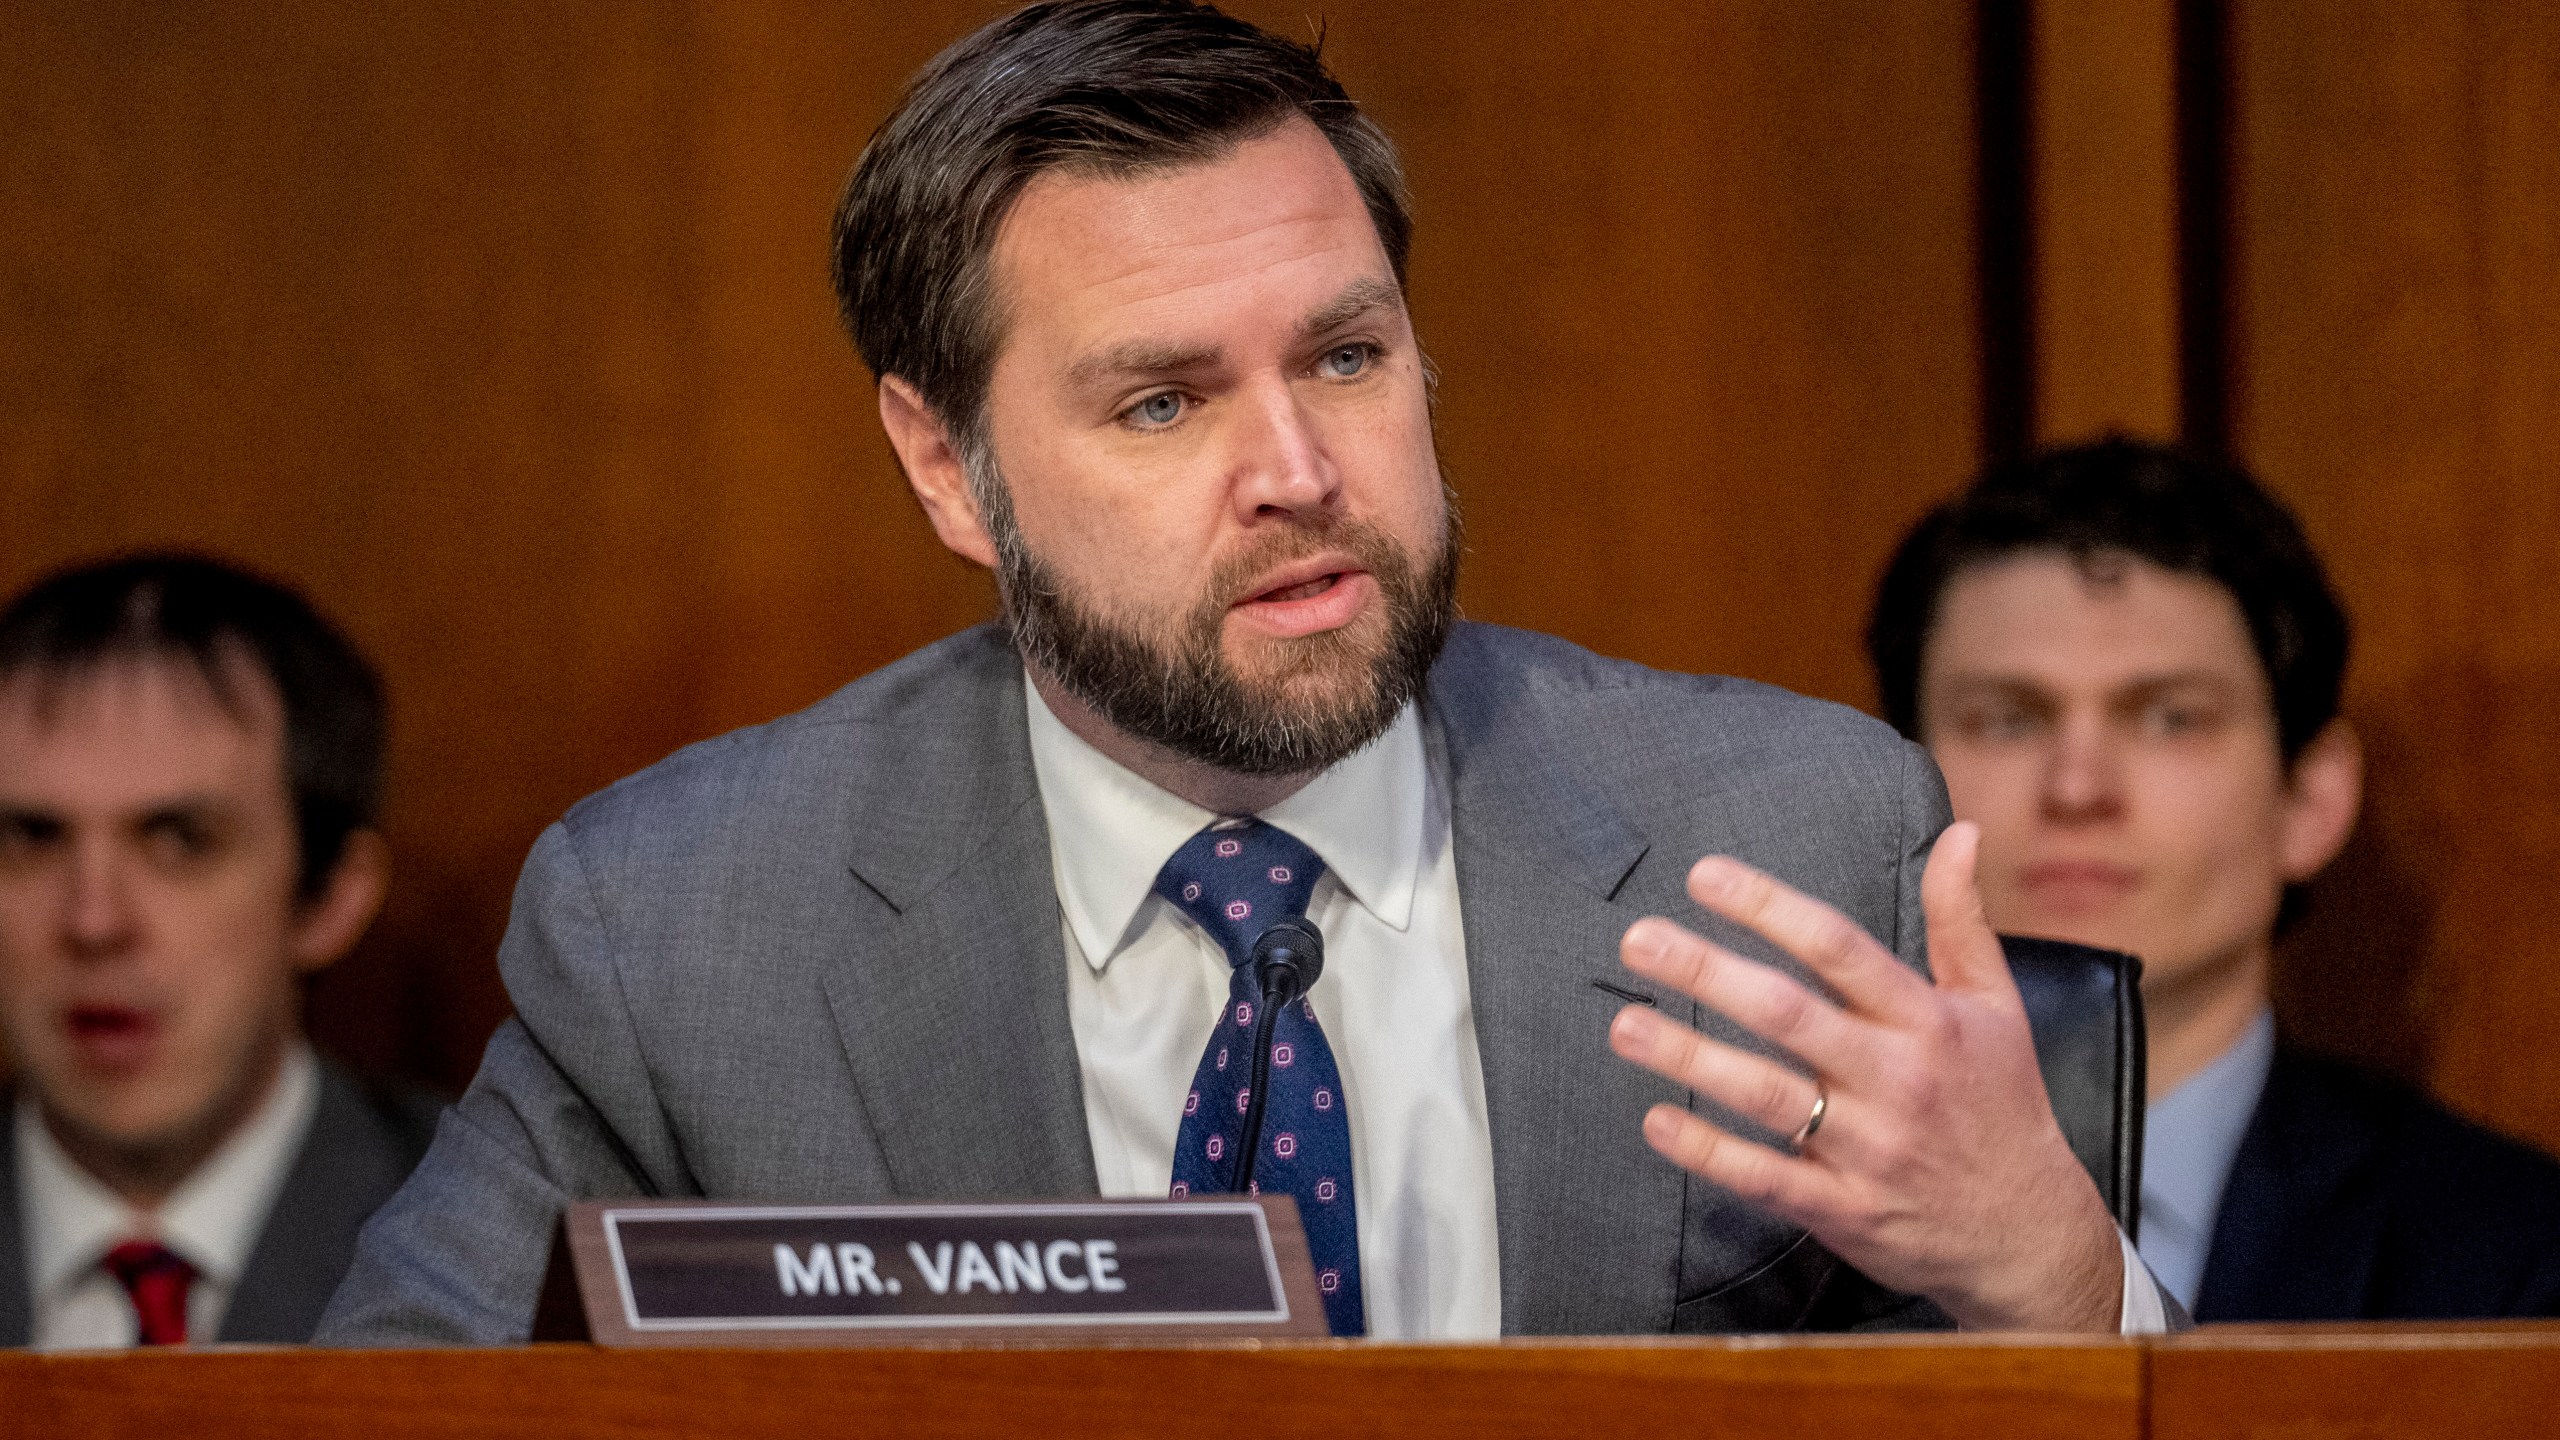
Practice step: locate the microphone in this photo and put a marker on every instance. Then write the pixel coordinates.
(1286, 960)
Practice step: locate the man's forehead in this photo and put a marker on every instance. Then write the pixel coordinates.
(138, 725)
(2107, 617)
(1275, 228)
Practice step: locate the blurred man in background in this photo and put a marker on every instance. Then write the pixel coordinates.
(190, 766)
(2127, 663)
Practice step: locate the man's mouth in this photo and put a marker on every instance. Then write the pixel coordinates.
(113, 1037)
(1320, 595)
(1306, 590)
(2072, 887)
(106, 1021)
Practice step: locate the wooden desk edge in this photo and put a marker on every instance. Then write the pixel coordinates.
(2209, 1382)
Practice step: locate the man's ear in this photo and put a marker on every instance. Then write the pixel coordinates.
(2322, 796)
(934, 471)
(331, 922)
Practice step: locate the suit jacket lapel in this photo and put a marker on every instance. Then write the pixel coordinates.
(349, 1163)
(1590, 1217)
(954, 1015)
(2295, 1239)
(304, 1243)
(17, 1294)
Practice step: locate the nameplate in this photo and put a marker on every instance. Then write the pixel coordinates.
(691, 1272)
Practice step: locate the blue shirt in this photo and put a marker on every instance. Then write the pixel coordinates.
(2189, 1139)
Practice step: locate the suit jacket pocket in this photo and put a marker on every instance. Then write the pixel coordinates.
(1802, 1287)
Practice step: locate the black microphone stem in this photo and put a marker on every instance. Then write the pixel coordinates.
(1256, 1090)
(1286, 961)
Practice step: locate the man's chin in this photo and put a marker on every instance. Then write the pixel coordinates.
(136, 1119)
(1307, 684)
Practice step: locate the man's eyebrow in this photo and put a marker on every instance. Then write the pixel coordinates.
(1140, 359)
(1145, 359)
(2145, 687)
(186, 807)
(1360, 298)
(2003, 682)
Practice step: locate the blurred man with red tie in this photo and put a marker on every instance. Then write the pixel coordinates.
(190, 762)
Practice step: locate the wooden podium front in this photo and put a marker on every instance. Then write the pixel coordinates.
(2358, 1381)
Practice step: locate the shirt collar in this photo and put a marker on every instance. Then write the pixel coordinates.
(2191, 1135)
(211, 1220)
(1110, 831)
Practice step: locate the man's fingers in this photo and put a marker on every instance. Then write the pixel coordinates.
(1793, 1189)
(1964, 952)
(1749, 1085)
(1829, 943)
(1760, 999)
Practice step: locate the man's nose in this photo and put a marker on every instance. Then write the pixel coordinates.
(2083, 779)
(1280, 463)
(97, 906)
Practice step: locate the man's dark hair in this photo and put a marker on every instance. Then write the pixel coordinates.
(1105, 87)
(2118, 496)
(214, 616)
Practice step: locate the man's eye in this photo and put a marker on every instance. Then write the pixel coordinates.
(2000, 723)
(1161, 408)
(26, 836)
(178, 840)
(1343, 362)
(2179, 719)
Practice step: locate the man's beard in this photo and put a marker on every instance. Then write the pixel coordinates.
(1325, 696)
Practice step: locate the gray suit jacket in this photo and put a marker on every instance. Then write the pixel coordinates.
(821, 960)
(361, 1146)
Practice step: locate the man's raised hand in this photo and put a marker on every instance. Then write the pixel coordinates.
(1937, 1167)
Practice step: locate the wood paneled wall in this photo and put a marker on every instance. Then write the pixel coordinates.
(1699, 279)
(2104, 184)
(505, 331)
(2383, 235)
(2396, 358)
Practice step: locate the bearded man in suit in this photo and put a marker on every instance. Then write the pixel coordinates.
(190, 762)
(1131, 278)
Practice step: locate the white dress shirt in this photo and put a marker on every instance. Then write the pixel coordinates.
(211, 1220)
(1145, 987)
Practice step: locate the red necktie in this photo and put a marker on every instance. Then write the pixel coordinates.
(156, 1280)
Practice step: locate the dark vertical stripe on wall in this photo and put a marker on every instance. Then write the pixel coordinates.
(2004, 110)
(2204, 225)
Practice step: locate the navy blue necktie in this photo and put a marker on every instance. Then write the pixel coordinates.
(1237, 879)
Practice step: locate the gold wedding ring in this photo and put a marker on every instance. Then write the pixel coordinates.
(1812, 1122)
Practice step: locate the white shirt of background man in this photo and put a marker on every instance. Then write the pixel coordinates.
(211, 1220)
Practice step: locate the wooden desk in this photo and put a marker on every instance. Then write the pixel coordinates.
(2467, 1381)
(2301, 1382)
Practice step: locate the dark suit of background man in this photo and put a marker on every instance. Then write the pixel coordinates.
(189, 765)
(2127, 662)
(1131, 276)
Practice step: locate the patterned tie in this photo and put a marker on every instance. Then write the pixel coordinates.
(1237, 879)
(156, 1280)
